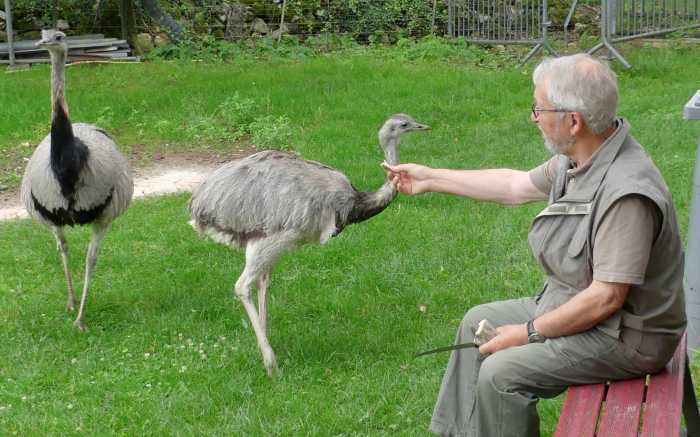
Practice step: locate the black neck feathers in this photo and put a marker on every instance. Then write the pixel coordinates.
(367, 205)
(68, 154)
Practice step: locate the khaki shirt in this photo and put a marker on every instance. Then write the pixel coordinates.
(613, 220)
(625, 236)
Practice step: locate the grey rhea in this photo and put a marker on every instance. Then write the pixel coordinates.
(76, 176)
(272, 201)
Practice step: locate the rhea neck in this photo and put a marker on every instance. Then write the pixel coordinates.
(390, 145)
(369, 204)
(61, 128)
(387, 192)
(68, 155)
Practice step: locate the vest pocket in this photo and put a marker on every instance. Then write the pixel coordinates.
(578, 241)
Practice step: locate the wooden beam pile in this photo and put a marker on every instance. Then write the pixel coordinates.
(93, 47)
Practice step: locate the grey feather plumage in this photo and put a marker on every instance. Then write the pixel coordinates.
(106, 172)
(270, 192)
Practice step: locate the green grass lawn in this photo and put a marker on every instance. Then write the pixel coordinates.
(169, 351)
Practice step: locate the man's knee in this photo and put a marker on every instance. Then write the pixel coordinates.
(495, 374)
(472, 318)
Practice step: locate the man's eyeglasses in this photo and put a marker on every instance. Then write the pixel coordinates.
(536, 111)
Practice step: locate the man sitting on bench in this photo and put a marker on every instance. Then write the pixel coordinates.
(608, 241)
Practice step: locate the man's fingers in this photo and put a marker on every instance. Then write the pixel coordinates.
(485, 348)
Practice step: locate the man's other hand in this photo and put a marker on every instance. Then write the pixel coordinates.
(508, 336)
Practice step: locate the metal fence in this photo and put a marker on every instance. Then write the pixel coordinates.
(623, 20)
(501, 22)
(527, 22)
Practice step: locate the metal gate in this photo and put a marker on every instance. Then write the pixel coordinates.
(500, 22)
(526, 21)
(623, 20)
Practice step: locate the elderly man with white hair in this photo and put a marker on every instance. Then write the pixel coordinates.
(612, 306)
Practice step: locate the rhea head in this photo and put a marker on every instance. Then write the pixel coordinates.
(391, 131)
(53, 40)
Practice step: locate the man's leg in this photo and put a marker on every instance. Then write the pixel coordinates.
(511, 381)
(455, 410)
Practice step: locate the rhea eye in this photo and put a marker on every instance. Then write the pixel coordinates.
(404, 124)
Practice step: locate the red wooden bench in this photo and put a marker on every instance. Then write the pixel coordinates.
(646, 406)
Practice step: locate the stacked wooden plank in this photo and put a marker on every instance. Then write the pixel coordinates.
(93, 47)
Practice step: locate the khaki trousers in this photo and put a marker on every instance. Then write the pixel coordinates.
(497, 395)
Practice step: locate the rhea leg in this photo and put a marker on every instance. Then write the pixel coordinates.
(98, 233)
(261, 255)
(62, 244)
(263, 283)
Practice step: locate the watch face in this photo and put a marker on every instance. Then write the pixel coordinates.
(535, 338)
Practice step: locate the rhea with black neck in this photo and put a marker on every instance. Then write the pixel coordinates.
(76, 175)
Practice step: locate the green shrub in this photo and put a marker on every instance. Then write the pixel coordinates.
(271, 132)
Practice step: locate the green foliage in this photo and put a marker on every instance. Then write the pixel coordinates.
(436, 48)
(238, 112)
(430, 47)
(378, 21)
(235, 119)
(271, 132)
(28, 14)
(384, 21)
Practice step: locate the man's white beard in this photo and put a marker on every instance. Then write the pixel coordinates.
(559, 149)
(555, 147)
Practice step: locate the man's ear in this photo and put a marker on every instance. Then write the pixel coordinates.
(577, 123)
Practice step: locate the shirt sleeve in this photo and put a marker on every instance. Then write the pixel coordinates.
(542, 176)
(624, 239)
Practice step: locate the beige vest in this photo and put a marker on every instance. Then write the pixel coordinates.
(562, 236)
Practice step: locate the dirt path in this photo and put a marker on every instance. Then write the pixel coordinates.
(165, 175)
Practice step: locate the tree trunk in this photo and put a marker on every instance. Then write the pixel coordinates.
(126, 14)
(153, 10)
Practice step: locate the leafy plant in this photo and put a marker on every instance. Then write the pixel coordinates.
(238, 112)
(271, 132)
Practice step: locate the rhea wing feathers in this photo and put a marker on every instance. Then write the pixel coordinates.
(271, 191)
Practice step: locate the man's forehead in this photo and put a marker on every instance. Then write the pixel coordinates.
(539, 92)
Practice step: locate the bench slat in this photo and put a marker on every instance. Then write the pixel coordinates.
(623, 406)
(662, 415)
(578, 417)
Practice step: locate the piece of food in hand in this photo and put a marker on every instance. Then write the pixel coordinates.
(484, 332)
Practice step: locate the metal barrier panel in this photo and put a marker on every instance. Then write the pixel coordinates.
(501, 22)
(623, 20)
(497, 21)
(630, 19)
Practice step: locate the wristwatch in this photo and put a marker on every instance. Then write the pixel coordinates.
(532, 335)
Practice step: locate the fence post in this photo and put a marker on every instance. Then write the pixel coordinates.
(450, 18)
(691, 283)
(612, 22)
(544, 24)
(605, 33)
(10, 36)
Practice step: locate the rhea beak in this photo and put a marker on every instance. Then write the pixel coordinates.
(419, 126)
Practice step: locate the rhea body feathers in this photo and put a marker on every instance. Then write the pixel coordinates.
(76, 176)
(98, 189)
(271, 202)
(314, 200)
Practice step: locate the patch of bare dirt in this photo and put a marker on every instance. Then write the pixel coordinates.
(163, 174)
